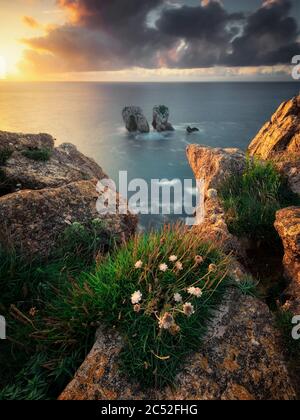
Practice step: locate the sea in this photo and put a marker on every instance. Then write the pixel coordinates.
(89, 116)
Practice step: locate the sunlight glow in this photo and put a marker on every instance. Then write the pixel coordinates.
(3, 67)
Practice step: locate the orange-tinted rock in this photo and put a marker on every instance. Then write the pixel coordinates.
(241, 359)
(288, 226)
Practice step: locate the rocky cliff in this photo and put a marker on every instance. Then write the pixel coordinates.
(279, 140)
(42, 196)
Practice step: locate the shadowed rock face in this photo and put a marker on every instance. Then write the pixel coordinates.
(160, 122)
(239, 360)
(32, 220)
(288, 226)
(135, 120)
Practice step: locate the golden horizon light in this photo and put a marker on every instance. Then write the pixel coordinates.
(3, 68)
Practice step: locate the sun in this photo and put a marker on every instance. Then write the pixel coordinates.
(3, 67)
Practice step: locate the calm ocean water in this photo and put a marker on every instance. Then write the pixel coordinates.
(89, 115)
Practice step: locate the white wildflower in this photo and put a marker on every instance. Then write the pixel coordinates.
(195, 291)
(166, 321)
(163, 267)
(136, 297)
(179, 266)
(138, 264)
(188, 309)
(173, 258)
(178, 297)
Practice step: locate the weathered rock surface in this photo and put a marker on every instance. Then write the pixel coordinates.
(239, 360)
(161, 116)
(213, 166)
(65, 165)
(288, 226)
(32, 220)
(135, 120)
(20, 141)
(279, 140)
(281, 134)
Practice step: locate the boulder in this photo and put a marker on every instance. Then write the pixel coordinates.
(288, 226)
(240, 359)
(135, 120)
(160, 122)
(191, 130)
(65, 165)
(32, 220)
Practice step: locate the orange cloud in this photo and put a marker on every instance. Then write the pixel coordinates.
(31, 22)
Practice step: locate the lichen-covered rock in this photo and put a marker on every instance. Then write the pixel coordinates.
(291, 170)
(66, 165)
(32, 220)
(213, 166)
(161, 116)
(281, 134)
(288, 226)
(135, 120)
(20, 141)
(241, 359)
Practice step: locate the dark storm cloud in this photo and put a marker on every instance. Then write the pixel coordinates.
(118, 34)
(269, 38)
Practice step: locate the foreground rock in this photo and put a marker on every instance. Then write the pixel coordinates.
(66, 165)
(288, 226)
(279, 140)
(161, 116)
(214, 166)
(240, 360)
(32, 220)
(135, 120)
(20, 142)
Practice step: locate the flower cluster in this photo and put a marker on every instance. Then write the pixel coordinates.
(182, 299)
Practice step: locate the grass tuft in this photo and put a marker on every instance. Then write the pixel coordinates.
(252, 200)
(42, 155)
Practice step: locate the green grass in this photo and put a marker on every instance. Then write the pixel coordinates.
(5, 154)
(42, 155)
(72, 296)
(252, 200)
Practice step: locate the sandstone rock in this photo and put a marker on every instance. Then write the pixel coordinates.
(32, 220)
(213, 166)
(281, 134)
(241, 359)
(20, 141)
(65, 165)
(279, 140)
(135, 120)
(160, 122)
(288, 226)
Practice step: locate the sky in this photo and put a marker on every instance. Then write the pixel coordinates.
(148, 40)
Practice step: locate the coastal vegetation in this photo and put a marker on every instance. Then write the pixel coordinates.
(42, 155)
(159, 291)
(251, 201)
